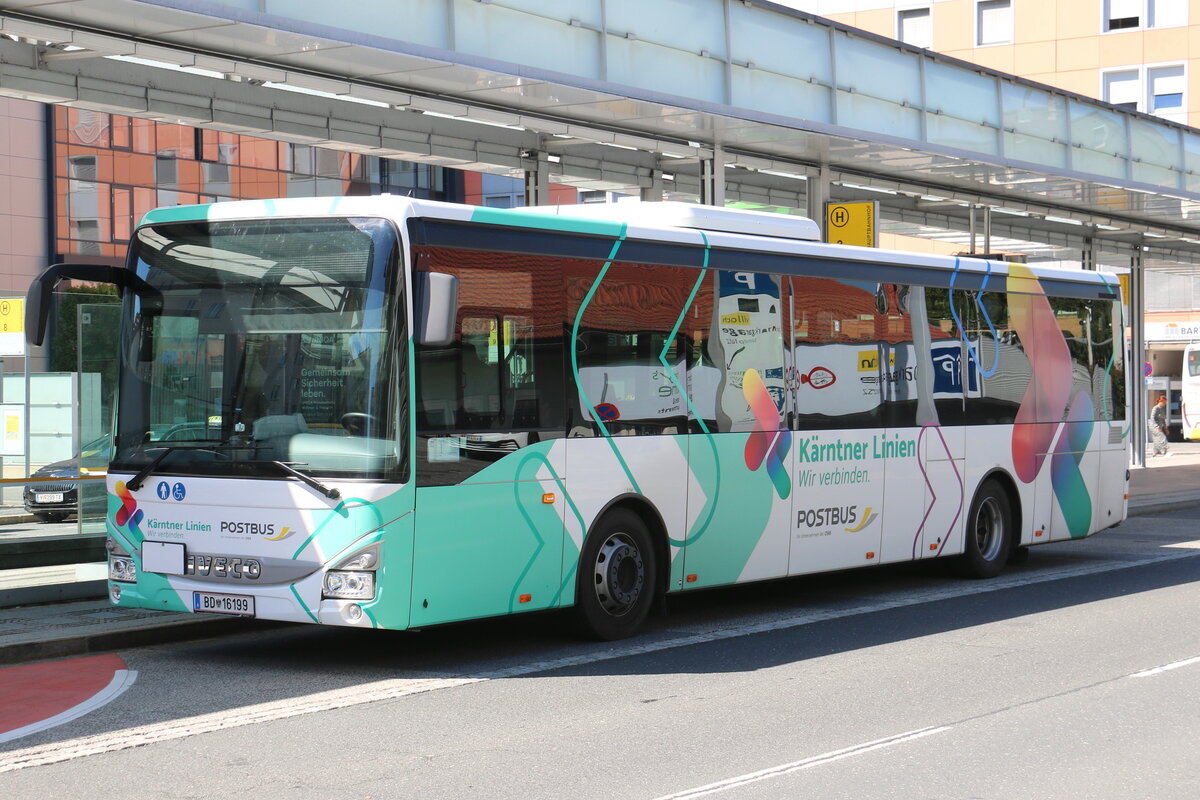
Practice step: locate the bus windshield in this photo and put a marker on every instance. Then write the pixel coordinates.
(269, 349)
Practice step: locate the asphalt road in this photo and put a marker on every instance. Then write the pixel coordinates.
(1076, 674)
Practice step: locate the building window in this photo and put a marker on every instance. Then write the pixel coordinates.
(1124, 15)
(1166, 13)
(914, 26)
(1165, 92)
(1155, 90)
(81, 167)
(1123, 88)
(993, 22)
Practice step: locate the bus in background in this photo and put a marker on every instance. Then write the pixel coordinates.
(398, 413)
(1189, 404)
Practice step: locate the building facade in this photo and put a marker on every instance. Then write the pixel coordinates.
(1142, 55)
(109, 170)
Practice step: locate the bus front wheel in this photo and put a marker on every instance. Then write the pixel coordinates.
(616, 576)
(989, 532)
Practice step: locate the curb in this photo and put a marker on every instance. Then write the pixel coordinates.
(1159, 506)
(103, 641)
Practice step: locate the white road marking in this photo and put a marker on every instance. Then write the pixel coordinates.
(221, 720)
(677, 637)
(122, 679)
(805, 763)
(1146, 673)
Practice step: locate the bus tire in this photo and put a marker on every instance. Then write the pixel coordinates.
(616, 584)
(988, 532)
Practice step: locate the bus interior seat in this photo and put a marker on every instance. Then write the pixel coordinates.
(273, 432)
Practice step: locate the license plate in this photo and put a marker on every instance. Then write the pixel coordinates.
(48, 497)
(210, 603)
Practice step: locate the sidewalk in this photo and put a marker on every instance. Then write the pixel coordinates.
(1166, 482)
(55, 630)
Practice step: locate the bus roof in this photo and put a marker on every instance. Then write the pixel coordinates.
(683, 223)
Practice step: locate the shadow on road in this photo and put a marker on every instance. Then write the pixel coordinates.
(269, 663)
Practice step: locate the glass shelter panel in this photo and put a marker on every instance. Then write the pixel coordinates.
(98, 323)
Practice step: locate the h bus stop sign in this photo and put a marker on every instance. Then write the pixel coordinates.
(12, 326)
(852, 223)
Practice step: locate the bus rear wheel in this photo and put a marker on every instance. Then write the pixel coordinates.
(616, 583)
(989, 532)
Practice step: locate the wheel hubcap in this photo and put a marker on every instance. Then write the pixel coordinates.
(989, 529)
(620, 574)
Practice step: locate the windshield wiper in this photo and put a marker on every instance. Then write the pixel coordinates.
(287, 467)
(137, 480)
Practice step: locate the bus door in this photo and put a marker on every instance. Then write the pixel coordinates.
(489, 499)
(634, 331)
(1077, 452)
(923, 383)
(840, 472)
(741, 457)
(942, 378)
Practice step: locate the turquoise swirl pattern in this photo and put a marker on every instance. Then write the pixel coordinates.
(1070, 488)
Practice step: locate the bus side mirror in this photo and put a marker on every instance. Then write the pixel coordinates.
(38, 298)
(435, 308)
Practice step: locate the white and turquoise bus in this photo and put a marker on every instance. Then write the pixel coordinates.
(1189, 395)
(382, 412)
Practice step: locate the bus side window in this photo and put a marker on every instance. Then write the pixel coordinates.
(626, 371)
(479, 372)
(997, 356)
(1109, 380)
(1074, 318)
(503, 373)
(838, 336)
(955, 374)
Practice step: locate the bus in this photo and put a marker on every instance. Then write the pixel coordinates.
(1189, 404)
(391, 413)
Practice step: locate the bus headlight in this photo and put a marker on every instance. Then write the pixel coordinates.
(122, 568)
(346, 585)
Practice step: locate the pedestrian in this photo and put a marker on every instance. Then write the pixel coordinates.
(1158, 426)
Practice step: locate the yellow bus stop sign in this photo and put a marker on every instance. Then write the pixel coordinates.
(12, 326)
(852, 223)
(12, 315)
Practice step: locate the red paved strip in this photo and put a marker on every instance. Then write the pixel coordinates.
(33, 692)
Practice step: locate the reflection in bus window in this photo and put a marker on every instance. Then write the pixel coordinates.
(838, 337)
(498, 386)
(629, 368)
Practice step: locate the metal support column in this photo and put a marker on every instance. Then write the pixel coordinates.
(654, 192)
(971, 222)
(1137, 357)
(537, 179)
(712, 179)
(987, 231)
(817, 196)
